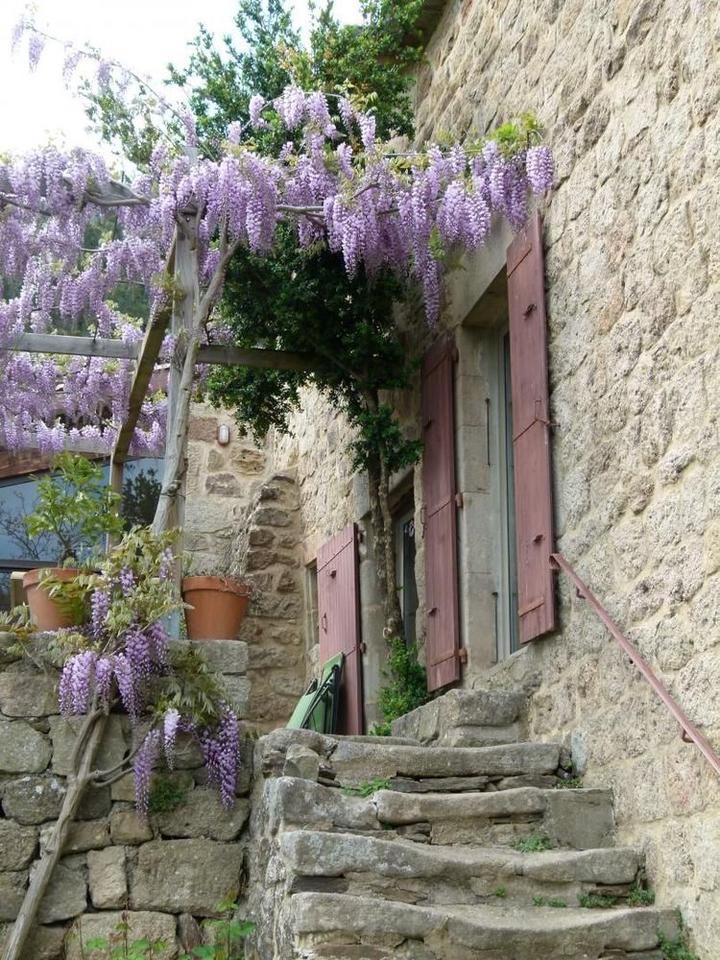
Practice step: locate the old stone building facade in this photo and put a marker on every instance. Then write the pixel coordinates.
(628, 95)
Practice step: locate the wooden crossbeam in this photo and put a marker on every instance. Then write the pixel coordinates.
(215, 354)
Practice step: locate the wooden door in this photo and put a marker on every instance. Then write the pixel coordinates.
(339, 621)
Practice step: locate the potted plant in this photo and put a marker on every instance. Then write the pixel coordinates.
(76, 510)
(215, 606)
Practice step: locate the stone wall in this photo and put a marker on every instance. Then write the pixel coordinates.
(169, 872)
(628, 94)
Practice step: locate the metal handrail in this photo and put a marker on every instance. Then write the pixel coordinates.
(689, 731)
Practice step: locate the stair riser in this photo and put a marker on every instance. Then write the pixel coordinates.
(318, 948)
(438, 892)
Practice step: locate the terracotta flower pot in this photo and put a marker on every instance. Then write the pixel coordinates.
(45, 613)
(218, 607)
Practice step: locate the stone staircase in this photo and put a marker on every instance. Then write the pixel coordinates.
(467, 849)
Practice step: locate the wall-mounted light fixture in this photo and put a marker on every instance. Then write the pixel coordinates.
(223, 434)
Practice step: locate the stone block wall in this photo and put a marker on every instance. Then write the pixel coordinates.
(168, 873)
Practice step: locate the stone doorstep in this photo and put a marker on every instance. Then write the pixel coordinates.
(545, 933)
(480, 710)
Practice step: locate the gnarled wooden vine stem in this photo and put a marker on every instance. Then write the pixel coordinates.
(89, 739)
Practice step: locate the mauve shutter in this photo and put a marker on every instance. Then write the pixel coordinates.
(442, 641)
(531, 432)
(339, 621)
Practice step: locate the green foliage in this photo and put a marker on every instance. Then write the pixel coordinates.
(573, 783)
(118, 946)
(677, 949)
(595, 901)
(140, 551)
(166, 794)
(500, 892)
(549, 902)
(226, 935)
(368, 788)
(75, 506)
(641, 897)
(406, 684)
(191, 687)
(533, 843)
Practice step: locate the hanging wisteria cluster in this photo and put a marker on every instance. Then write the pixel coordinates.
(123, 659)
(333, 179)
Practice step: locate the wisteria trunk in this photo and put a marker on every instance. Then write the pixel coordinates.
(91, 734)
(384, 545)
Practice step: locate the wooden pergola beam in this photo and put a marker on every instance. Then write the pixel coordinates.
(215, 354)
(146, 360)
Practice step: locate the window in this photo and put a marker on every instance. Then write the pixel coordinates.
(18, 496)
(405, 569)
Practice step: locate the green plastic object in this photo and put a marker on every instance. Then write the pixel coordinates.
(317, 709)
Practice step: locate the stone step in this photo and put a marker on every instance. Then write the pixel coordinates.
(339, 927)
(422, 874)
(356, 762)
(469, 718)
(579, 819)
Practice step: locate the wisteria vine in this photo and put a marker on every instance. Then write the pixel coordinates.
(122, 658)
(333, 179)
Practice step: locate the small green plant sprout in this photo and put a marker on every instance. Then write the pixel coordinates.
(596, 901)
(640, 897)
(367, 788)
(549, 902)
(572, 783)
(75, 510)
(226, 935)
(677, 949)
(533, 843)
(500, 892)
(166, 794)
(119, 946)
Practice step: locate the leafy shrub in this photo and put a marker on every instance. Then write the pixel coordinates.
(406, 686)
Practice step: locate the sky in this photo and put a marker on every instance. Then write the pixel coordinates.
(143, 34)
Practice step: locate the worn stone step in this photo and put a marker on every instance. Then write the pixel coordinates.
(413, 873)
(471, 718)
(579, 819)
(338, 927)
(357, 762)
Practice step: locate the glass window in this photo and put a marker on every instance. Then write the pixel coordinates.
(18, 496)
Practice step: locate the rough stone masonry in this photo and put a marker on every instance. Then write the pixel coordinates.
(169, 872)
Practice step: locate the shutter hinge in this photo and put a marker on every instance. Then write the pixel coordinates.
(462, 655)
(459, 501)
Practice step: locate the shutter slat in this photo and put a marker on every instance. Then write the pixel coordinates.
(339, 621)
(531, 432)
(442, 641)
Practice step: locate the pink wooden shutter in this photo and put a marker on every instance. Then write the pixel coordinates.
(442, 643)
(339, 621)
(531, 432)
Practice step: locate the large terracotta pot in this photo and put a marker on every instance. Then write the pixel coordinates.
(217, 607)
(45, 613)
